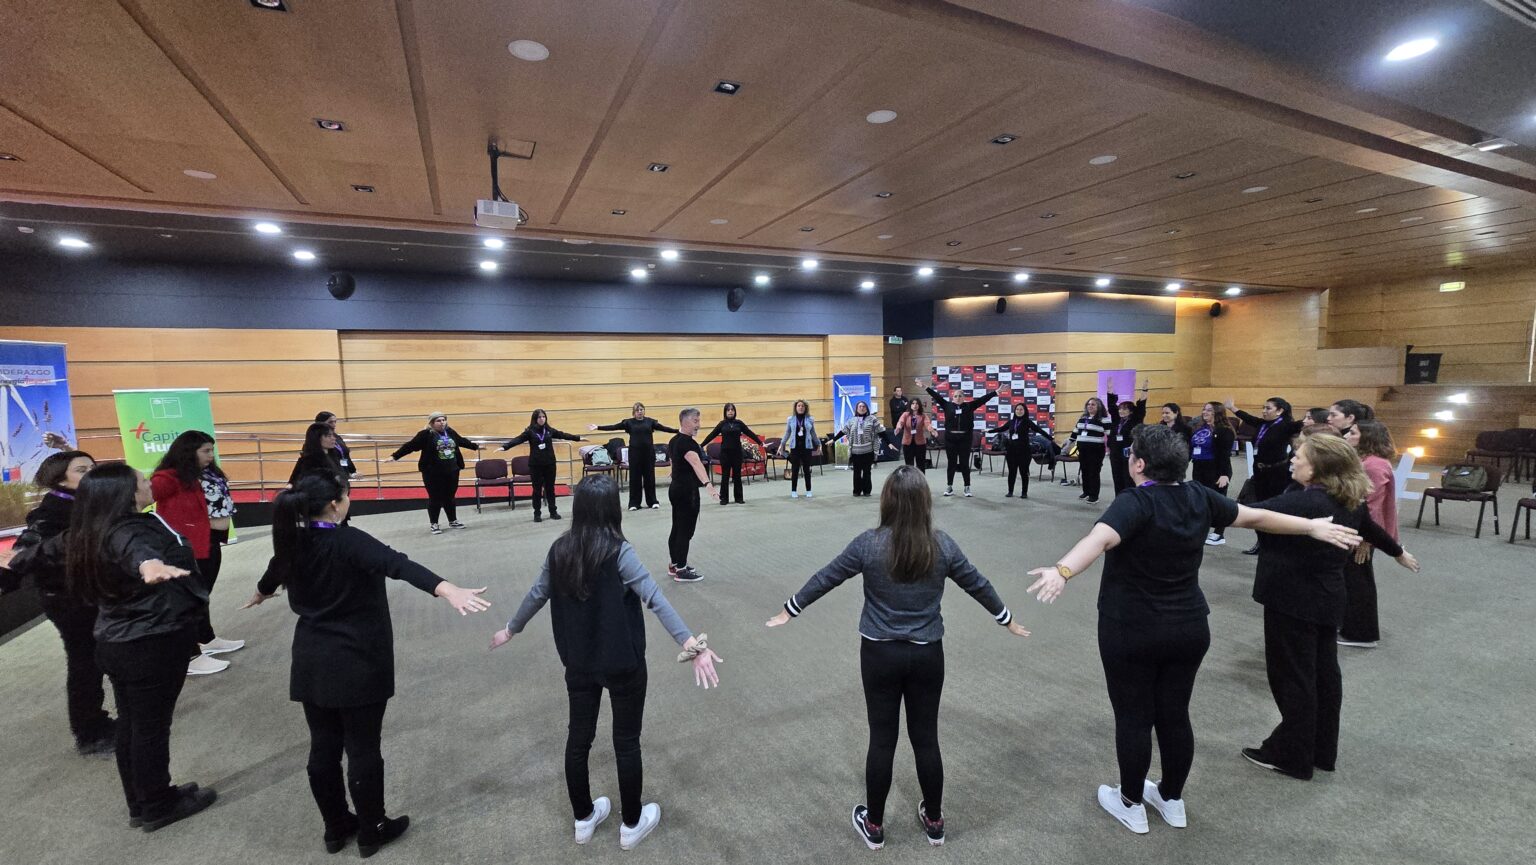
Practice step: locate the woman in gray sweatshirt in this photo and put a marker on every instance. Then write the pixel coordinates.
(905, 563)
(863, 431)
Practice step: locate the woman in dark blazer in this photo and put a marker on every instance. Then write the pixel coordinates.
(343, 453)
(540, 437)
(442, 458)
(343, 669)
(1210, 455)
(319, 454)
(1014, 436)
(1271, 449)
(642, 454)
(1125, 417)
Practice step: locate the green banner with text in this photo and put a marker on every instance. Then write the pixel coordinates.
(150, 420)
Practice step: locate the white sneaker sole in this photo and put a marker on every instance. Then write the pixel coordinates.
(1150, 796)
(222, 651)
(634, 841)
(1124, 820)
(853, 820)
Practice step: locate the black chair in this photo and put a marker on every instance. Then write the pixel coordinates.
(1488, 493)
(1524, 506)
(1496, 446)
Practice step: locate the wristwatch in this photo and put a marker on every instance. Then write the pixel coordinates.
(1066, 572)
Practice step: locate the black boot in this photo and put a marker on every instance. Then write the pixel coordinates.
(337, 834)
(371, 838)
(537, 518)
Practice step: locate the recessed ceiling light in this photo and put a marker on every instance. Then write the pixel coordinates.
(1047, 216)
(1102, 282)
(527, 49)
(199, 174)
(27, 229)
(1021, 277)
(618, 212)
(1005, 138)
(493, 243)
(273, 5)
(761, 279)
(1311, 200)
(952, 243)
(669, 254)
(330, 125)
(809, 263)
(807, 228)
(1184, 175)
(1103, 160)
(73, 243)
(1015, 249)
(1486, 233)
(965, 267)
(884, 236)
(1121, 257)
(1368, 210)
(575, 241)
(866, 285)
(657, 167)
(362, 187)
(639, 272)
(1233, 291)
(1449, 227)
(1494, 144)
(1413, 48)
(884, 115)
(268, 228)
(729, 88)
(9, 157)
(1252, 189)
(1173, 286)
(883, 194)
(303, 255)
(925, 271)
(1412, 219)
(488, 266)
(718, 221)
(1069, 253)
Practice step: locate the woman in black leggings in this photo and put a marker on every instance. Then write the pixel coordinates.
(540, 437)
(905, 564)
(1271, 450)
(1090, 432)
(1153, 631)
(730, 430)
(441, 460)
(800, 444)
(1210, 453)
(959, 426)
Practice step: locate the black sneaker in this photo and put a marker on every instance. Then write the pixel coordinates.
(1252, 551)
(185, 806)
(371, 838)
(874, 836)
(436, 530)
(135, 820)
(1092, 500)
(687, 574)
(104, 745)
(455, 524)
(1082, 495)
(1008, 495)
(537, 518)
(554, 515)
(934, 829)
(1257, 758)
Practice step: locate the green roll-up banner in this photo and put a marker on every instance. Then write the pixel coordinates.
(150, 420)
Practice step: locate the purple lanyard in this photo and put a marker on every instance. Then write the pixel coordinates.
(321, 524)
(1156, 484)
(541, 436)
(61, 494)
(1264, 429)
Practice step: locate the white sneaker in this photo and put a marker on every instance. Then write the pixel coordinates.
(218, 646)
(656, 507)
(206, 665)
(584, 828)
(967, 492)
(1215, 541)
(794, 494)
(1357, 644)
(809, 494)
(650, 815)
(1172, 810)
(949, 491)
(1133, 818)
(633, 508)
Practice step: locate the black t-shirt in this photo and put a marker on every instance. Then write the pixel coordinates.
(1152, 576)
(677, 451)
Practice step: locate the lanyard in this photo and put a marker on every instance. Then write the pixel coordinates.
(1156, 484)
(321, 524)
(61, 494)
(541, 436)
(1264, 429)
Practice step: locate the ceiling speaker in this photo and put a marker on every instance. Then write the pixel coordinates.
(734, 299)
(1002, 305)
(341, 285)
(1216, 309)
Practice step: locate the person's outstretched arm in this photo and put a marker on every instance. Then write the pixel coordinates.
(747, 431)
(409, 447)
(663, 427)
(1319, 529)
(713, 434)
(513, 442)
(462, 441)
(608, 427)
(848, 563)
(1051, 581)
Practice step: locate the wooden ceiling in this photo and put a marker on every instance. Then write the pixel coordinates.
(109, 102)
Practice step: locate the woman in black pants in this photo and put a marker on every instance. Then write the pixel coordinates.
(343, 669)
(141, 576)
(596, 585)
(1210, 453)
(343, 453)
(1271, 450)
(318, 454)
(865, 433)
(913, 430)
(642, 455)
(1300, 582)
(1089, 434)
(1124, 418)
(541, 437)
(39, 553)
(730, 430)
(800, 444)
(442, 458)
(1015, 434)
(905, 563)
(1153, 631)
(959, 426)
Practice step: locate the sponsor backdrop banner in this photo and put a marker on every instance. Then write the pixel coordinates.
(150, 420)
(848, 391)
(1033, 384)
(35, 418)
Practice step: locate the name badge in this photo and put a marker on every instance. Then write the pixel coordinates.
(346, 463)
(1015, 436)
(1199, 450)
(542, 445)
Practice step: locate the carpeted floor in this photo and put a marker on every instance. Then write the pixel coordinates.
(1437, 760)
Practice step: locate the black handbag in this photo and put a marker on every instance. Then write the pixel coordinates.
(1249, 493)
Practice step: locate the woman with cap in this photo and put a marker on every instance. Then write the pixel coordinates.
(441, 460)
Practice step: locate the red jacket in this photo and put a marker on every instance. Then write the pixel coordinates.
(184, 509)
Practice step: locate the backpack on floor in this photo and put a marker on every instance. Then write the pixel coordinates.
(1467, 478)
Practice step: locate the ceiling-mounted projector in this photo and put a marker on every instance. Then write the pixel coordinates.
(504, 215)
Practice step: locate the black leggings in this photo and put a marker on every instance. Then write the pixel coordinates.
(683, 495)
(799, 461)
(897, 672)
(1119, 469)
(208, 574)
(730, 470)
(1090, 457)
(82, 678)
(1018, 464)
(543, 487)
(863, 473)
(1206, 474)
(355, 731)
(442, 489)
(1360, 622)
(1150, 670)
(915, 455)
(958, 452)
(626, 696)
(642, 477)
(147, 675)
(1302, 662)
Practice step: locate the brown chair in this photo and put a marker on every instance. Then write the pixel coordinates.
(491, 473)
(1523, 506)
(1067, 460)
(587, 467)
(521, 474)
(993, 447)
(1489, 493)
(773, 456)
(1494, 447)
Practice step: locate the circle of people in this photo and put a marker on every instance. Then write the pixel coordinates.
(128, 592)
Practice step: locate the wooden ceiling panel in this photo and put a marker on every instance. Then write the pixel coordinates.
(46, 163)
(1490, 234)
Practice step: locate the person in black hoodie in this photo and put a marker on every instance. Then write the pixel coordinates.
(1271, 450)
(642, 455)
(596, 586)
(1015, 434)
(1300, 582)
(319, 453)
(139, 573)
(343, 669)
(730, 430)
(442, 458)
(540, 437)
(959, 424)
(39, 553)
(343, 453)
(1124, 418)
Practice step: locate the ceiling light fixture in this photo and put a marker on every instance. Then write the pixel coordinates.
(1172, 231)
(884, 236)
(273, 5)
(884, 194)
(361, 187)
(952, 243)
(1494, 144)
(866, 285)
(669, 254)
(488, 266)
(1184, 175)
(1102, 282)
(1021, 277)
(1459, 398)
(330, 125)
(1047, 216)
(729, 88)
(198, 174)
(657, 167)
(807, 228)
(268, 228)
(1486, 233)
(1445, 415)
(1452, 286)
(1449, 227)
(494, 243)
(884, 115)
(761, 279)
(965, 267)
(1252, 189)
(1103, 160)
(1412, 48)
(1412, 219)
(575, 241)
(27, 229)
(1310, 200)
(1173, 286)
(527, 49)
(73, 243)
(1233, 291)
(809, 263)
(1005, 138)
(1015, 249)
(925, 271)
(718, 221)
(303, 255)
(618, 212)
(639, 272)
(9, 157)
(1368, 210)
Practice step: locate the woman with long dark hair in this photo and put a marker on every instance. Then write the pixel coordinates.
(1271, 449)
(596, 585)
(915, 428)
(959, 426)
(142, 576)
(1014, 435)
(864, 433)
(442, 458)
(39, 553)
(1344, 414)
(540, 437)
(1153, 631)
(1314, 416)
(800, 444)
(1373, 441)
(1300, 582)
(318, 454)
(192, 495)
(905, 563)
(1171, 415)
(343, 453)
(642, 456)
(1089, 434)
(730, 430)
(1125, 417)
(343, 669)
(1210, 453)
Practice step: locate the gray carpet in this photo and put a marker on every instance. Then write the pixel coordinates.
(1436, 762)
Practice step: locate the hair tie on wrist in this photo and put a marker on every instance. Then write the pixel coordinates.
(699, 647)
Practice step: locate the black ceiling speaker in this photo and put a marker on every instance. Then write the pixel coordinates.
(341, 285)
(1216, 309)
(1002, 305)
(735, 298)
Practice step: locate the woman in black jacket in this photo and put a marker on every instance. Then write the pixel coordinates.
(642, 456)
(1015, 439)
(319, 454)
(1124, 418)
(343, 669)
(1210, 453)
(1271, 450)
(1300, 582)
(730, 430)
(343, 453)
(39, 553)
(441, 460)
(540, 437)
(959, 422)
(596, 585)
(139, 573)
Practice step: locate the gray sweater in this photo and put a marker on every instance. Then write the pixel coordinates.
(863, 434)
(636, 578)
(900, 611)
